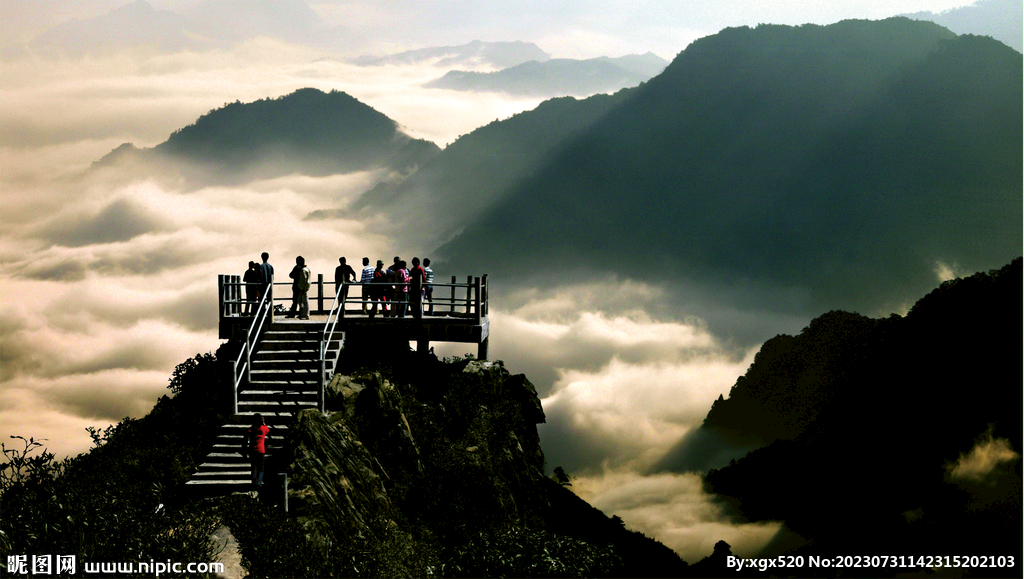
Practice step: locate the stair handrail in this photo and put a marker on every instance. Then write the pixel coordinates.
(262, 312)
(325, 341)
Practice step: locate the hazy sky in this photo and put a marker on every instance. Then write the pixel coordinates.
(108, 280)
(566, 28)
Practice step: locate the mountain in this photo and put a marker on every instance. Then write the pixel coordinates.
(443, 461)
(837, 164)
(881, 435)
(307, 131)
(471, 174)
(557, 77)
(476, 53)
(234, 20)
(206, 25)
(999, 19)
(133, 26)
(419, 467)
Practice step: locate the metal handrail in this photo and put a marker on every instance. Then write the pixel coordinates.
(471, 300)
(262, 311)
(325, 341)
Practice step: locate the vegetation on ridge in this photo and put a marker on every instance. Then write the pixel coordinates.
(123, 500)
(881, 435)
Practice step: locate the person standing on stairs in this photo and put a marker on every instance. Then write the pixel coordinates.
(256, 439)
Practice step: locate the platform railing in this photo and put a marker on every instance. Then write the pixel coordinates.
(463, 299)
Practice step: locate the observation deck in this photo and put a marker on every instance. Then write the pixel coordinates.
(458, 311)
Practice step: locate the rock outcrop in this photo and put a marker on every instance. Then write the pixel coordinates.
(422, 465)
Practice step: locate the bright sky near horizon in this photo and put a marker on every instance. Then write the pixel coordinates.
(565, 28)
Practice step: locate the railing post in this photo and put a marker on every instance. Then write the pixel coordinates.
(321, 395)
(270, 297)
(320, 292)
(248, 358)
(483, 298)
(234, 389)
(451, 307)
(286, 493)
(236, 295)
(476, 299)
(220, 294)
(469, 293)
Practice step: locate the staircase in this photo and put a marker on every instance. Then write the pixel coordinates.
(284, 379)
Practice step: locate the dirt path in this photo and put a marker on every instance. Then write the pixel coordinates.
(227, 553)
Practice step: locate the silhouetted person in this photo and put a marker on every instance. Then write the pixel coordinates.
(377, 289)
(251, 279)
(389, 289)
(366, 278)
(417, 278)
(343, 275)
(266, 280)
(300, 286)
(401, 289)
(428, 288)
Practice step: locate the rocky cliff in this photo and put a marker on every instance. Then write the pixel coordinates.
(872, 435)
(422, 466)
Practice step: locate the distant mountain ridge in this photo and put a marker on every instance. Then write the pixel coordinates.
(201, 26)
(308, 131)
(1000, 19)
(560, 76)
(136, 24)
(497, 54)
(811, 157)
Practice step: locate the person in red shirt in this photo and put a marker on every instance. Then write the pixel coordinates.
(256, 438)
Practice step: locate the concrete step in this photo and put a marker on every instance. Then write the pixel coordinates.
(282, 323)
(233, 479)
(284, 343)
(297, 354)
(290, 364)
(267, 408)
(287, 376)
(294, 336)
(279, 395)
(275, 401)
(259, 386)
